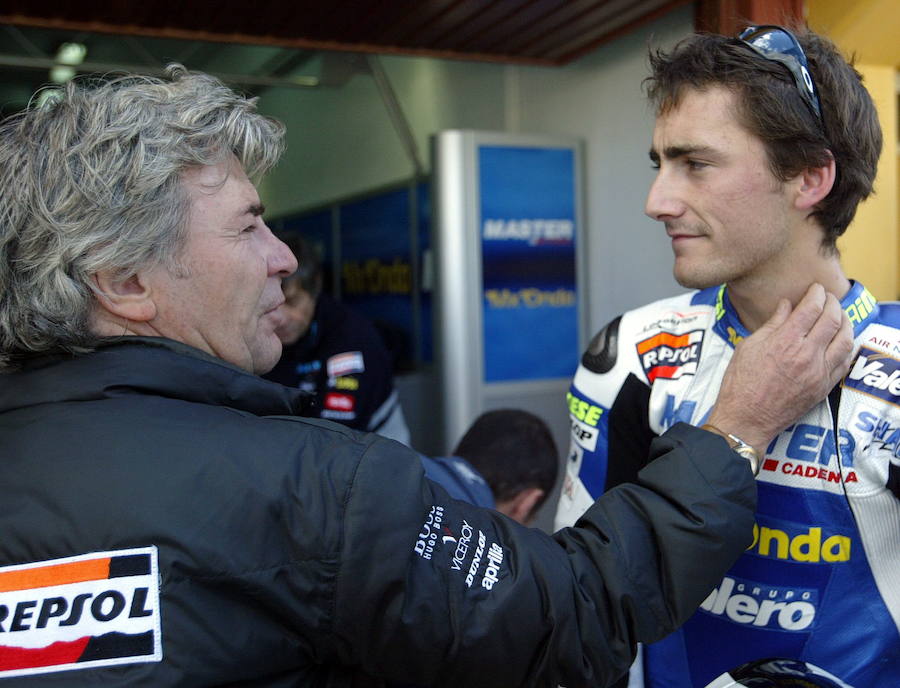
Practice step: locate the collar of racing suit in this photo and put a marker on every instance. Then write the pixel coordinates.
(858, 303)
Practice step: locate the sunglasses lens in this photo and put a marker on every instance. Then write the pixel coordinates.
(779, 45)
(773, 41)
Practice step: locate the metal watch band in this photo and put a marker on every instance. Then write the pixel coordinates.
(738, 446)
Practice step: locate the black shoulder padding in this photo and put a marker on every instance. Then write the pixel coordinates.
(600, 356)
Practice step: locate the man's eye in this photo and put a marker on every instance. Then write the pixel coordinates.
(249, 228)
(696, 164)
(654, 164)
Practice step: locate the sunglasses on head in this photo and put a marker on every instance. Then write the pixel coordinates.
(777, 44)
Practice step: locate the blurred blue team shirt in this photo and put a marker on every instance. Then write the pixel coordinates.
(459, 478)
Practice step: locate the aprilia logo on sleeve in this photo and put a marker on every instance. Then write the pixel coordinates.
(80, 612)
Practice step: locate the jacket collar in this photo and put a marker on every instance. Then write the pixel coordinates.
(122, 366)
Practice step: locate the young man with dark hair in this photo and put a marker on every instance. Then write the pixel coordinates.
(764, 146)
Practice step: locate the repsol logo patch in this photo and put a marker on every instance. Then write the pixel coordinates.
(875, 374)
(80, 612)
(762, 606)
(669, 356)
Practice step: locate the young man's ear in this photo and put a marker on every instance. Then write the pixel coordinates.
(129, 298)
(814, 184)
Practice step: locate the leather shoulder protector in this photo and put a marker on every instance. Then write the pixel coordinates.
(600, 356)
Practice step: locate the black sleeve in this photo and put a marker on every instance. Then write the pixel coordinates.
(433, 591)
(630, 434)
(629, 424)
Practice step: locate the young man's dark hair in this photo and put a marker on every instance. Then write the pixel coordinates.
(770, 107)
(515, 453)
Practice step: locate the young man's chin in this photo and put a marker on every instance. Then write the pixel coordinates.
(694, 277)
(690, 281)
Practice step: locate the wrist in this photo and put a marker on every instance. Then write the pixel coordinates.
(738, 423)
(738, 446)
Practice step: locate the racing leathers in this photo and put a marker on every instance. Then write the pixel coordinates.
(168, 520)
(821, 580)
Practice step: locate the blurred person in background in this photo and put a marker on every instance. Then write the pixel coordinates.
(335, 353)
(506, 460)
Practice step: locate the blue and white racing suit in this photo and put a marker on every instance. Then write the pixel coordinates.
(821, 582)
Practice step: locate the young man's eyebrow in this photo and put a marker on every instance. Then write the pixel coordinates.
(672, 152)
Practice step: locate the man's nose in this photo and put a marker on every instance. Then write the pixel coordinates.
(663, 201)
(281, 259)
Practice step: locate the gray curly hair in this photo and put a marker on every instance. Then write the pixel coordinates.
(92, 182)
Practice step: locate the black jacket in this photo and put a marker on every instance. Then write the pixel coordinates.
(295, 552)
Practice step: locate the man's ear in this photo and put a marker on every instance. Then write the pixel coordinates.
(520, 507)
(814, 184)
(130, 299)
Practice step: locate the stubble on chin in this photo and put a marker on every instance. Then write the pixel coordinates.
(694, 278)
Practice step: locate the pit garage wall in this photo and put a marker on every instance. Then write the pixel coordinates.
(341, 143)
(867, 29)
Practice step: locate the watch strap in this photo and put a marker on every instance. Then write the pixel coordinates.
(738, 446)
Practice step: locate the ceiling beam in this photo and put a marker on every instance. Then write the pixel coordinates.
(46, 63)
(262, 39)
(727, 17)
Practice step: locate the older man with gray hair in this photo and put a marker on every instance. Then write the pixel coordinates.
(169, 519)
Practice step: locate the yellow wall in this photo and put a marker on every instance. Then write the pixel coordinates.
(868, 28)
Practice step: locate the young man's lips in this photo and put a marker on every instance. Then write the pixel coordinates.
(676, 237)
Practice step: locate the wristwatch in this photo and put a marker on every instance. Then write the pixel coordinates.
(738, 446)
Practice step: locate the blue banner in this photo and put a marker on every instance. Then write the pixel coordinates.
(528, 230)
(376, 275)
